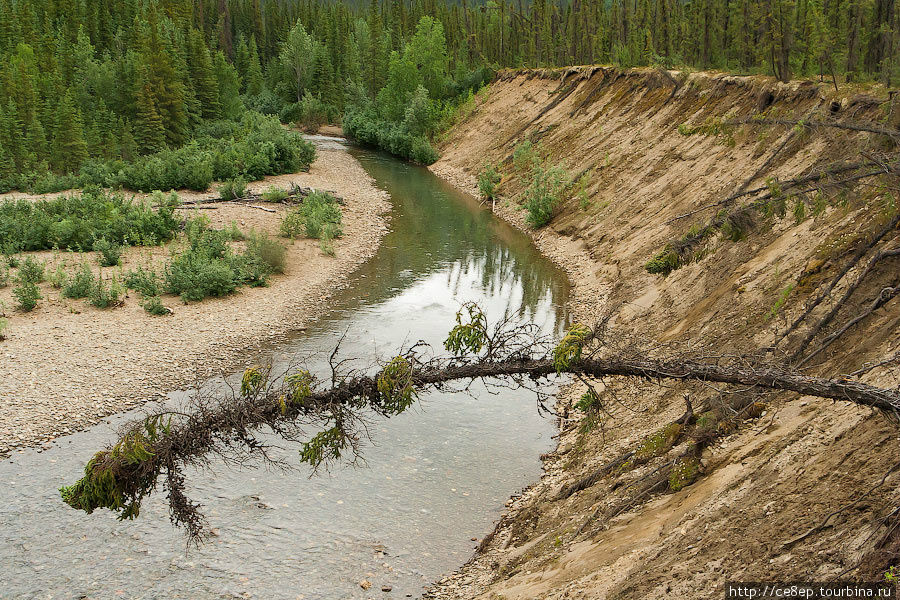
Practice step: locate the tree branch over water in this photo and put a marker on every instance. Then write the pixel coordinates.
(228, 426)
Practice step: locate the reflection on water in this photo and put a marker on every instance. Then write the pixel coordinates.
(434, 478)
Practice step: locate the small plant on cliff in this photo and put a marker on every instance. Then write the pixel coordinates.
(544, 193)
(488, 179)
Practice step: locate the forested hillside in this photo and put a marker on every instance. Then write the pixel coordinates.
(88, 86)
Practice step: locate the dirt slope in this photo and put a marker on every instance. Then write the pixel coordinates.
(793, 461)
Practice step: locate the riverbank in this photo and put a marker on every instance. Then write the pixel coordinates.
(66, 365)
(589, 531)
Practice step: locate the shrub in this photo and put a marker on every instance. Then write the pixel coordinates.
(233, 189)
(109, 254)
(59, 276)
(544, 193)
(155, 307)
(27, 293)
(31, 271)
(145, 282)
(4, 323)
(524, 157)
(488, 179)
(81, 284)
(268, 251)
(4, 275)
(318, 217)
(75, 222)
(310, 113)
(103, 295)
(274, 194)
(193, 276)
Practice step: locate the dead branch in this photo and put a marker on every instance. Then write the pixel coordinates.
(826, 291)
(885, 296)
(813, 124)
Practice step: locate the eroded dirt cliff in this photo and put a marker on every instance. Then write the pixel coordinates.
(787, 487)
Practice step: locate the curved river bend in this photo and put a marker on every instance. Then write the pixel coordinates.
(434, 477)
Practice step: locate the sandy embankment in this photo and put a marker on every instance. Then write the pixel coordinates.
(67, 364)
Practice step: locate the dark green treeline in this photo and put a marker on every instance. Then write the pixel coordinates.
(101, 80)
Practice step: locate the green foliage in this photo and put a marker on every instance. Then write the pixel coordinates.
(81, 284)
(58, 278)
(75, 222)
(325, 446)
(488, 178)
(570, 346)
(31, 270)
(154, 306)
(266, 256)
(319, 216)
(395, 386)
(105, 295)
(145, 282)
(525, 157)
(233, 189)
(109, 253)
(4, 325)
(28, 294)
(590, 404)
(274, 194)
(4, 274)
(251, 381)
(543, 194)
(782, 300)
(468, 337)
(300, 384)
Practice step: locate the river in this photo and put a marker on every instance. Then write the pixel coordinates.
(434, 477)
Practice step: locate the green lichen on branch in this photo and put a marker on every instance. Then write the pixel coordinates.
(684, 473)
(468, 337)
(569, 348)
(659, 443)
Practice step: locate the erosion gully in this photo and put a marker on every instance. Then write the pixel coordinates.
(433, 479)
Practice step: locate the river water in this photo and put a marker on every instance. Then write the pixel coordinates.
(434, 477)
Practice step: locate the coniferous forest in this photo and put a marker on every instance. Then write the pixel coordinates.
(159, 94)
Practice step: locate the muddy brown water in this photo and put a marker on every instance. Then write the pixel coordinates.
(434, 477)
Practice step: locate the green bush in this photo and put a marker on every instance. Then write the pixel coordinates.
(59, 276)
(31, 271)
(80, 285)
(544, 193)
(488, 179)
(75, 222)
(4, 275)
(27, 293)
(251, 148)
(268, 251)
(233, 189)
(525, 157)
(4, 323)
(145, 282)
(103, 295)
(109, 254)
(155, 307)
(274, 194)
(318, 217)
(364, 126)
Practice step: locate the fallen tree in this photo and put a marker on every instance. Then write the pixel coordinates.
(161, 445)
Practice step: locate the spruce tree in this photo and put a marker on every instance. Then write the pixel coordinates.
(68, 149)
